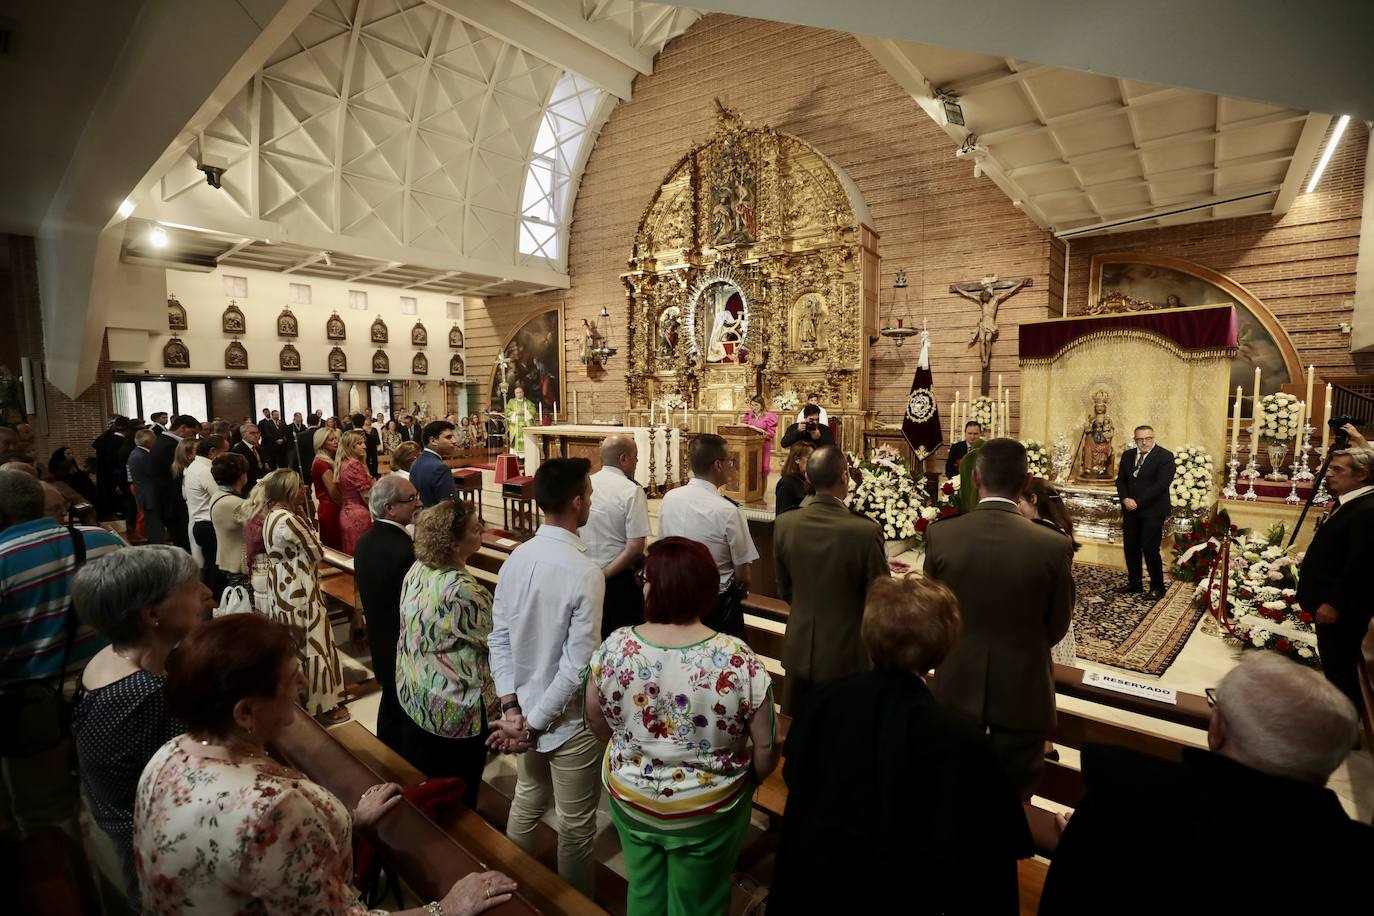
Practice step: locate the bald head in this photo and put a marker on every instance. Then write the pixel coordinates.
(22, 467)
(21, 498)
(54, 504)
(828, 471)
(1278, 717)
(620, 451)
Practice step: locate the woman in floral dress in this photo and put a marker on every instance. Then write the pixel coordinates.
(327, 497)
(688, 713)
(443, 675)
(765, 421)
(221, 828)
(293, 554)
(355, 483)
(391, 437)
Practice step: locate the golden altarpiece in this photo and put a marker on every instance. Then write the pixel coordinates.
(754, 270)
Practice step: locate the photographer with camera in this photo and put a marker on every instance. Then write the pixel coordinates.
(1335, 583)
(809, 430)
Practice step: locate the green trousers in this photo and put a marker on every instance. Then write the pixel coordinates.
(681, 872)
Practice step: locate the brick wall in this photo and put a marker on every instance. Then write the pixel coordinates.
(934, 218)
(1301, 265)
(70, 422)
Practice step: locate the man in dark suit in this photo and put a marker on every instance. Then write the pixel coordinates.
(167, 503)
(826, 557)
(372, 440)
(432, 478)
(250, 447)
(810, 430)
(141, 484)
(305, 447)
(1142, 483)
(973, 431)
(108, 467)
(158, 423)
(1335, 585)
(293, 435)
(1015, 589)
(1276, 735)
(382, 557)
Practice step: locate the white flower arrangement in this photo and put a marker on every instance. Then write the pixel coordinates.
(1278, 417)
(887, 493)
(1037, 458)
(980, 411)
(673, 401)
(787, 401)
(1194, 480)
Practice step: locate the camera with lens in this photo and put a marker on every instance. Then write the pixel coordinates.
(1339, 437)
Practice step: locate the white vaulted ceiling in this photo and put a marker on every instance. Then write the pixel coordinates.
(414, 139)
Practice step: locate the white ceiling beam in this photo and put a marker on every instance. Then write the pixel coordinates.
(1304, 156)
(517, 26)
(991, 80)
(1106, 109)
(180, 213)
(889, 54)
(1181, 206)
(379, 269)
(304, 262)
(604, 36)
(1192, 171)
(442, 275)
(233, 250)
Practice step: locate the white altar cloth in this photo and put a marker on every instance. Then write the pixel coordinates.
(666, 447)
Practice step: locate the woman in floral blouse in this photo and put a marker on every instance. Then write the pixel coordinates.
(443, 677)
(688, 713)
(222, 828)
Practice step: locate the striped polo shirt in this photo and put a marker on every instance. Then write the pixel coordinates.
(37, 563)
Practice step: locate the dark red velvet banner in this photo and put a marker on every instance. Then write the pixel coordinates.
(1199, 328)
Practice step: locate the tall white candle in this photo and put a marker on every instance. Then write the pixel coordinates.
(970, 391)
(555, 413)
(1326, 418)
(1235, 420)
(541, 413)
(1302, 424)
(1254, 431)
(1308, 399)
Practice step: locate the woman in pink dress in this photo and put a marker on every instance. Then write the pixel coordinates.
(326, 489)
(766, 422)
(354, 485)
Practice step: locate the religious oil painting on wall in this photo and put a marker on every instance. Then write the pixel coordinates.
(532, 359)
(1174, 283)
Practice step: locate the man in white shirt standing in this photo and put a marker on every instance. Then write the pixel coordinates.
(700, 513)
(616, 531)
(199, 488)
(814, 399)
(546, 623)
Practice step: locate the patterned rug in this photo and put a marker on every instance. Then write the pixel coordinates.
(1135, 632)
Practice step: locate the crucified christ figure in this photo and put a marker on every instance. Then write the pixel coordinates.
(985, 293)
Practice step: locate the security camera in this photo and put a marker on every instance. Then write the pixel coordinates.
(213, 167)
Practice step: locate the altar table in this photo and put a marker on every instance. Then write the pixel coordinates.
(658, 447)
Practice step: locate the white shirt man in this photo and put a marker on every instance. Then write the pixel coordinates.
(546, 623)
(199, 487)
(814, 399)
(616, 532)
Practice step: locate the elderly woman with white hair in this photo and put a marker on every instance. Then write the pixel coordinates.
(144, 600)
(1278, 731)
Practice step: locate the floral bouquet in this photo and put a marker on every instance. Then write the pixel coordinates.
(1192, 489)
(673, 401)
(1037, 458)
(980, 411)
(882, 488)
(1262, 610)
(787, 402)
(1278, 417)
(1195, 551)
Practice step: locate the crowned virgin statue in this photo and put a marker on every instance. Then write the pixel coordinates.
(1096, 452)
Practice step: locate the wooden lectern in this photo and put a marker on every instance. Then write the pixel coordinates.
(744, 445)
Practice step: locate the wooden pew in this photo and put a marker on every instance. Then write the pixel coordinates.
(427, 859)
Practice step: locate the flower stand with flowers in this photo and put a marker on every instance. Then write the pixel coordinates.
(787, 403)
(1193, 490)
(1195, 551)
(1252, 591)
(1277, 424)
(1037, 458)
(883, 488)
(980, 411)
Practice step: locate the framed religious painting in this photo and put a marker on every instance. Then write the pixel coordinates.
(531, 359)
(335, 329)
(455, 365)
(287, 326)
(338, 360)
(455, 337)
(290, 359)
(175, 355)
(419, 365)
(419, 337)
(380, 362)
(235, 355)
(176, 315)
(232, 320)
(1173, 283)
(379, 331)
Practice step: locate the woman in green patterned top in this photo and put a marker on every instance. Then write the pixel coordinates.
(443, 677)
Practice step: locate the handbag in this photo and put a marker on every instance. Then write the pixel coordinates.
(237, 597)
(36, 713)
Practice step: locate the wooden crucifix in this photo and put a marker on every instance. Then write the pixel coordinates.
(985, 292)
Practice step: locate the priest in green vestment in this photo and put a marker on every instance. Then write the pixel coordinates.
(519, 413)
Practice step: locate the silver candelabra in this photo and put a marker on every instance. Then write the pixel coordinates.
(1302, 472)
(1230, 492)
(1251, 471)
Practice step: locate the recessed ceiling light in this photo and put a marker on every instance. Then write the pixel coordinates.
(157, 236)
(1326, 154)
